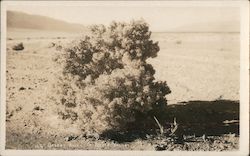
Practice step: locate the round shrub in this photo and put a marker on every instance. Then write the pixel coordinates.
(104, 81)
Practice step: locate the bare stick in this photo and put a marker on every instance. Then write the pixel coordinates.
(160, 126)
(174, 128)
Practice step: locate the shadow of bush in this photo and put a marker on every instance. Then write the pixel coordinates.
(194, 117)
(205, 117)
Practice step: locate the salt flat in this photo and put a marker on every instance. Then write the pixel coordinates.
(199, 66)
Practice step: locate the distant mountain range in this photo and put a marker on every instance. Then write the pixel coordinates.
(37, 22)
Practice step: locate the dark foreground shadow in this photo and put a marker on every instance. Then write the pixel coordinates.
(212, 118)
(206, 117)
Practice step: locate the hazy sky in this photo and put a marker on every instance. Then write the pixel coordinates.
(159, 18)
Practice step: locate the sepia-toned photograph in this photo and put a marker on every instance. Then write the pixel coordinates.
(156, 76)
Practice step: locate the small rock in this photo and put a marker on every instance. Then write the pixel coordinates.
(160, 147)
(38, 108)
(22, 88)
(19, 108)
(18, 47)
(70, 138)
(52, 44)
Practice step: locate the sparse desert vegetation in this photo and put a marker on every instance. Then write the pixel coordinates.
(204, 99)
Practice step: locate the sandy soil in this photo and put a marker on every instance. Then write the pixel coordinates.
(202, 71)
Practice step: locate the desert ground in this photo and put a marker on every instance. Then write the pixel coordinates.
(201, 69)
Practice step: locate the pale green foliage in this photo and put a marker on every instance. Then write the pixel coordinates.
(105, 79)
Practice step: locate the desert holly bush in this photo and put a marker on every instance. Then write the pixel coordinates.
(104, 81)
